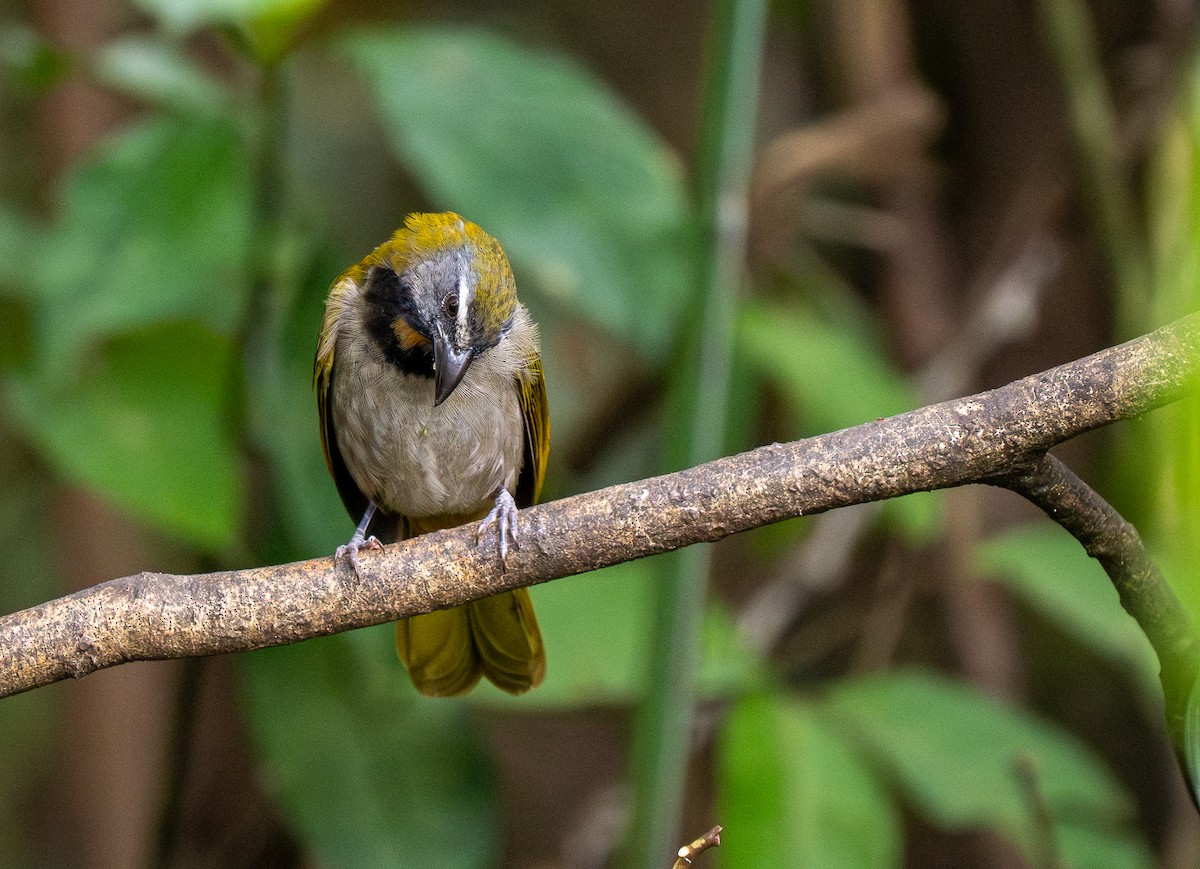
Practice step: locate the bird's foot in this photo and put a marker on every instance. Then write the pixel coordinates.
(504, 516)
(349, 551)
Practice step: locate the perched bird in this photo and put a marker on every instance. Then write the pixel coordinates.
(433, 413)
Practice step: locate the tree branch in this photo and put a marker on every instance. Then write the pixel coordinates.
(976, 439)
(1144, 593)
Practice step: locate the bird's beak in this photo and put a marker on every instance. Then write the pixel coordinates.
(449, 366)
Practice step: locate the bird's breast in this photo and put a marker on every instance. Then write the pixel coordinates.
(418, 460)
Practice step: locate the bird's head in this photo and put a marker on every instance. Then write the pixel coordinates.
(439, 292)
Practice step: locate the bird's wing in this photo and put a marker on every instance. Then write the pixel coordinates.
(323, 370)
(531, 389)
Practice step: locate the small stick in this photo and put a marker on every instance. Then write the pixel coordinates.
(695, 848)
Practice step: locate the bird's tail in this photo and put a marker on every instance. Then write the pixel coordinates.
(447, 651)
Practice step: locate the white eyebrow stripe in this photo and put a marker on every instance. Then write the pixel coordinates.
(466, 295)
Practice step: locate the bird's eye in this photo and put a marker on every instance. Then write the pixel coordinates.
(450, 304)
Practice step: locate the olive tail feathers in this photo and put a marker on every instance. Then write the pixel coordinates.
(447, 651)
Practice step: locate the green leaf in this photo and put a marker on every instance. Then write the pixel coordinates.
(958, 756)
(795, 793)
(29, 59)
(160, 73)
(1191, 741)
(184, 16)
(833, 377)
(595, 628)
(1094, 847)
(369, 773)
(267, 27)
(282, 412)
(919, 516)
(155, 228)
(727, 667)
(1048, 569)
(16, 327)
(20, 240)
(272, 30)
(146, 428)
(587, 202)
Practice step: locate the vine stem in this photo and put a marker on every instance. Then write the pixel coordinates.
(698, 406)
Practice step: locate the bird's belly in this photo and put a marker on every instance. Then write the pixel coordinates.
(418, 460)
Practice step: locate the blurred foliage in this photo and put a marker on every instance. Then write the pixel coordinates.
(965, 761)
(784, 767)
(1041, 565)
(370, 773)
(156, 336)
(595, 222)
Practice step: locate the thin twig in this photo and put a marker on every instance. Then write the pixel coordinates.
(696, 847)
(974, 439)
(1112, 541)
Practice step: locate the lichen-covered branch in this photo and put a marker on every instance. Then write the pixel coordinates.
(974, 439)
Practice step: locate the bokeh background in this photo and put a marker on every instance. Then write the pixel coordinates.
(946, 196)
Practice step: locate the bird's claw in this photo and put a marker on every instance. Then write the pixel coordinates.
(504, 515)
(349, 551)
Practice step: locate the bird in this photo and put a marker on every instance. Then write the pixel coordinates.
(433, 413)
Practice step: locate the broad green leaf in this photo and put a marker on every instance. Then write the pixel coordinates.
(727, 666)
(15, 330)
(918, 517)
(369, 773)
(587, 202)
(159, 72)
(147, 428)
(1092, 846)
(273, 30)
(596, 627)
(833, 377)
(273, 21)
(1191, 741)
(959, 757)
(154, 227)
(26, 57)
(20, 238)
(267, 27)
(1048, 569)
(282, 414)
(795, 793)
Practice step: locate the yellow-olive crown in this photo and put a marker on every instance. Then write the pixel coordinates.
(441, 271)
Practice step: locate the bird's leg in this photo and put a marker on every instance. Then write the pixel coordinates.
(359, 541)
(504, 515)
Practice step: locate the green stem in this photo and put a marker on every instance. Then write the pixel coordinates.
(253, 337)
(696, 423)
(255, 331)
(1072, 40)
(261, 333)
